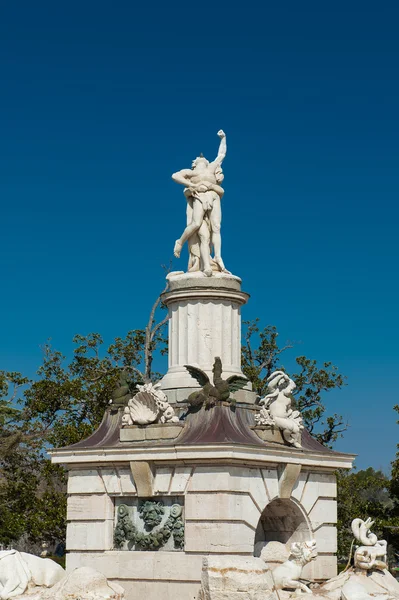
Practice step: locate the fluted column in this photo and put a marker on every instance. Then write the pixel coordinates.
(204, 322)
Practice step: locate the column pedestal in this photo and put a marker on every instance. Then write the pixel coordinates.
(204, 322)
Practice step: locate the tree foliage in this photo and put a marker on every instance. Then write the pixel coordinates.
(61, 406)
(312, 381)
(363, 494)
(394, 485)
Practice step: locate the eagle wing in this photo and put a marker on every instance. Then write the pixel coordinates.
(236, 382)
(197, 374)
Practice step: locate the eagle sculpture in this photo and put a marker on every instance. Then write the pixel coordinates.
(221, 389)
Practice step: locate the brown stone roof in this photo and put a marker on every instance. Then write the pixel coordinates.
(222, 424)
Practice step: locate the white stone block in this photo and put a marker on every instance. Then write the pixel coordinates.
(163, 476)
(234, 479)
(114, 564)
(324, 511)
(220, 506)
(180, 480)
(90, 508)
(93, 535)
(210, 478)
(159, 590)
(235, 578)
(300, 486)
(111, 481)
(326, 537)
(318, 485)
(85, 481)
(270, 477)
(219, 537)
(127, 484)
(321, 569)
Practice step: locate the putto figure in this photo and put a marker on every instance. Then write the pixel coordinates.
(204, 215)
(276, 408)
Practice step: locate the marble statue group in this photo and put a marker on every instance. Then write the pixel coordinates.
(203, 193)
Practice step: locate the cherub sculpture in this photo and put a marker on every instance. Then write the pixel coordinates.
(276, 408)
(221, 389)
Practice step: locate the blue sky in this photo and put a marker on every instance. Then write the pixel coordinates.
(102, 102)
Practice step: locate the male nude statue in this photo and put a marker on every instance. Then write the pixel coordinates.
(204, 214)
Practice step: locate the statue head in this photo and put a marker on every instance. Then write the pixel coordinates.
(279, 381)
(217, 367)
(151, 513)
(200, 163)
(304, 552)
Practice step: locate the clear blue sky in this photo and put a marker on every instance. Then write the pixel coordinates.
(100, 102)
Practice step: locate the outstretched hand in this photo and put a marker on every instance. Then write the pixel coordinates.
(221, 134)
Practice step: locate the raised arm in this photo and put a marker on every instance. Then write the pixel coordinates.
(183, 177)
(222, 148)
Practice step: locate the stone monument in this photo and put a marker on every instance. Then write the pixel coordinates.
(191, 468)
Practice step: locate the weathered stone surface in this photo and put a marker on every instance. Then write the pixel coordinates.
(90, 508)
(85, 481)
(219, 506)
(90, 535)
(324, 511)
(274, 553)
(235, 578)
(326, 538)
(143, 476)
(288, 476)
(357, 584)
(180, 480)
(163, 476)
(127, 482)
(82, 584)
(158, 431)
(318, 485)
(121, 565)
(219, 537)
(269, 434)
(18, 570)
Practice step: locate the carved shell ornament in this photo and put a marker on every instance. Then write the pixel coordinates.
(143, 408)
(149, 405)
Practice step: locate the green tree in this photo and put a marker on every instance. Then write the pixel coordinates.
(362, 494)
(61, 406)
(394, 486)
(312, 381)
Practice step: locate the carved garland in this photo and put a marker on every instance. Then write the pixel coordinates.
(126, 531)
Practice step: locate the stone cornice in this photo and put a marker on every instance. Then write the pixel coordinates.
(210, 293)
(194, 454)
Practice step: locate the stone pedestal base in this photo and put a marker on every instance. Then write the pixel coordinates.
(159, 431)
(204, 322)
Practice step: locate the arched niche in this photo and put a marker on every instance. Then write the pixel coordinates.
(281, 521)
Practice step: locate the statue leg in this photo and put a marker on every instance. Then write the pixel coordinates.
(216, 220)
(197, 218)
(205, 248)
(193, 241)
